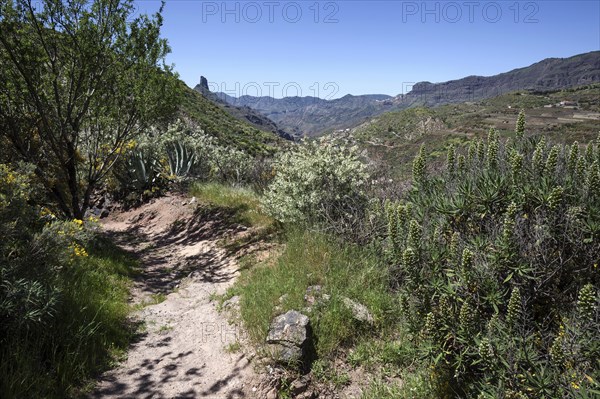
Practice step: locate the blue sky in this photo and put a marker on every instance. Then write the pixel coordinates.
(333, 48)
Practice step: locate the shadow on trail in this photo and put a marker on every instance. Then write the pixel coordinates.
(149, 383)
(162, 269)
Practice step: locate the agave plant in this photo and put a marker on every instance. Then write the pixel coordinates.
(181, 159)
(141, 172)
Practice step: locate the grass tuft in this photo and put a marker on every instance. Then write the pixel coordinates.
(342, 270)
(244, 202)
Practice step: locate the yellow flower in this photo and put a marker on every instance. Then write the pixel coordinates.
(574, 385)
(78, 222)
(79, 251)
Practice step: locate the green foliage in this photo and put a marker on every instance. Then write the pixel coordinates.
(63, 296)
(243, 202)
(497, 269)
(179, 153)
(85, 78)
(321, 183)
(181, 159)
(316, 259)
(226, 130)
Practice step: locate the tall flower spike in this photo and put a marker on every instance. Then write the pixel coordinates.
(516, 164)
(419, 165)
(515, 309)
(520, 128)
(471, 152)
(551, 162)
(454, 240)
(414, 235)
(462, 165)
(589, 153)
(573, 157)
(480, 150)
(555, 197)
(586, 303)
(509, 222)
(537, 160)
(492, 151)
(451, 159)
(467, 317)
(467, 259)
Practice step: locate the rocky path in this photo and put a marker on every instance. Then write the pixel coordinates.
(183, 351)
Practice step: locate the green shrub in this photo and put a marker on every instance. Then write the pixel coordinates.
(63, 296)
(497, 268)
(321, 183)
(180, 153)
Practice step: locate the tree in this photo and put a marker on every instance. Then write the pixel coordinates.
(81, 79)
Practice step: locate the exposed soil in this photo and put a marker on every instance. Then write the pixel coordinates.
(183, 352)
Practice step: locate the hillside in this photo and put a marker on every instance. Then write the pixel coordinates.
(313, 116)
(393, 138)
(229, 130)
(548, 74)
(244, 114)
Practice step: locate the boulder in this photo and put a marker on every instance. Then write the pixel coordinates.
(288, 337)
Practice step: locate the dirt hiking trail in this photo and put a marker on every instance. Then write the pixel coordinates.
(183, 351)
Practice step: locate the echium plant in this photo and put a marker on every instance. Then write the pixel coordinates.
(451, 159)
(551, 162)
(510, 248)
(537, 161)
(492, 150)
(520, 128)
(573, 157)
(419, 165)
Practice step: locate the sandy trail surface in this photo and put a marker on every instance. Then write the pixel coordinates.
(182, 352)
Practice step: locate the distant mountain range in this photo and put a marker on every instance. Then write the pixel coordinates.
(242, 113)
(313, 116)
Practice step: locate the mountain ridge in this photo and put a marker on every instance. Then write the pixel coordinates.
(313, 116)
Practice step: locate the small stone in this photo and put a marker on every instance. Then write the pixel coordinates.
(272, 394)
(310, 394)
(359, 311)
(231, 302)
(193, 200)
(299, 385)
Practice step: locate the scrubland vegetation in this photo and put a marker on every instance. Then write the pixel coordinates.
(481, 276)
